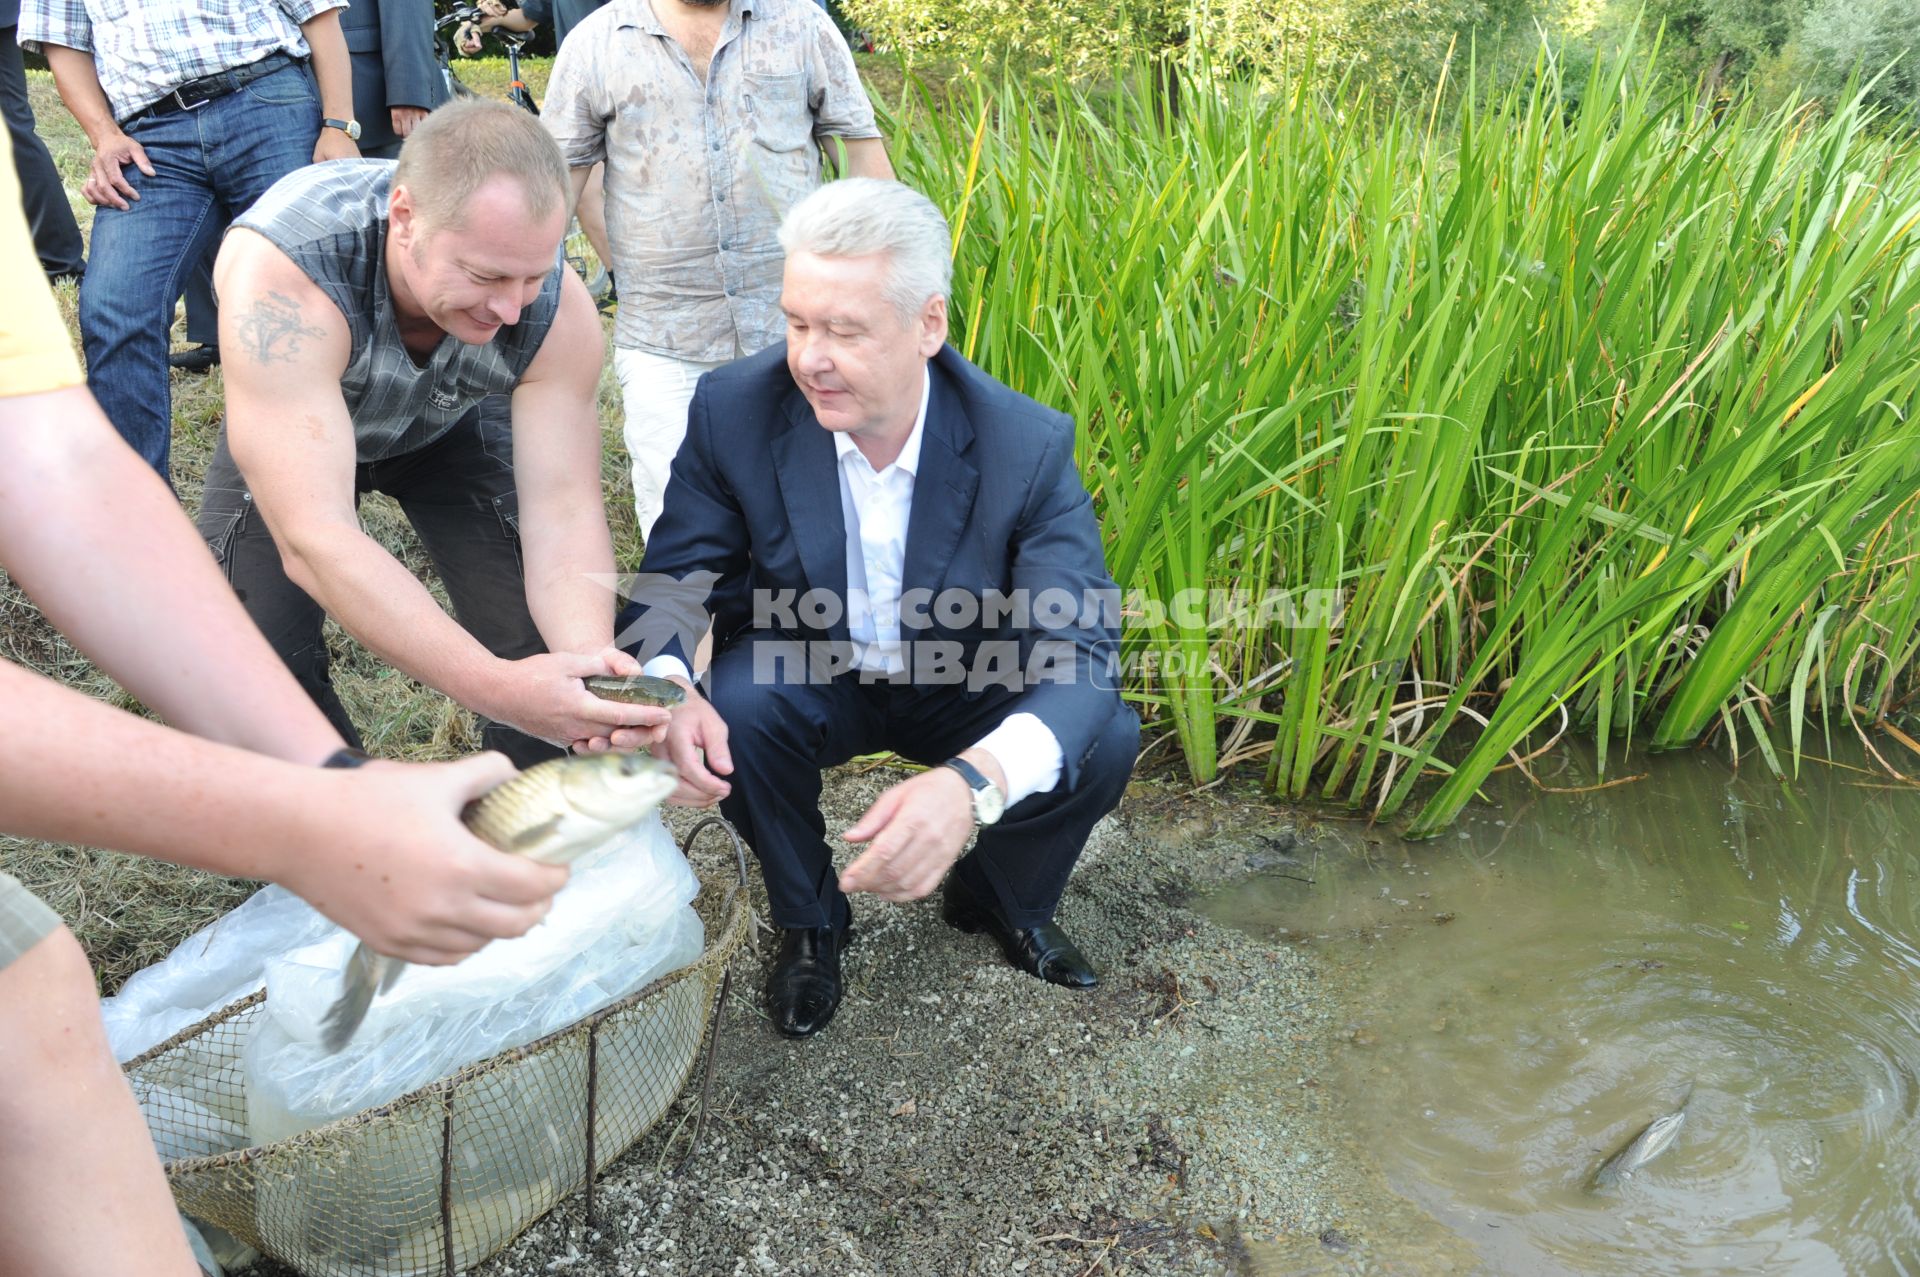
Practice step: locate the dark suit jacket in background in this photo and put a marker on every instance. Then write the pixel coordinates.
(393, 64)
(998, 505)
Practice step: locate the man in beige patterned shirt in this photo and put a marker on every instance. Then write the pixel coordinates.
(711, 116)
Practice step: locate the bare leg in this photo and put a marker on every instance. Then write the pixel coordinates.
(592, 213)
(81, 1190)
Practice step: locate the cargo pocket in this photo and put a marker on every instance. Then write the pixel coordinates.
(223, 534)
(506, 507)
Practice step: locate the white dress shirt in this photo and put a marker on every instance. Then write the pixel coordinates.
(877, 506)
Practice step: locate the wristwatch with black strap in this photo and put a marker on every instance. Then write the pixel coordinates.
(350, 127)
(989, 804)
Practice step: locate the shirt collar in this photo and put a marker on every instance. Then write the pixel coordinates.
(639, 13)
(909, 458)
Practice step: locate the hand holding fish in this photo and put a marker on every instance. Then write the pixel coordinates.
(543, 696)
(916, 830)
(391, 862)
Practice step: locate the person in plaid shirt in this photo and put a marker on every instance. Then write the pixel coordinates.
(194, 109)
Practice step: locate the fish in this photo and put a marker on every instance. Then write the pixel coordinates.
(1655, 1138)
(554, 813)
(638, 689)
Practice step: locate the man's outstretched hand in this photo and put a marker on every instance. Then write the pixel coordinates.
(915, 831)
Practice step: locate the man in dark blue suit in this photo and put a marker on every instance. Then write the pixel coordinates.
(396, 78)
(902, 557)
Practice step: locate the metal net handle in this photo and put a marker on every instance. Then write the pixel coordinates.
(739, 848)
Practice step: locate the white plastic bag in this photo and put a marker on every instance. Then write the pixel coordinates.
(214, 967)
(624, 919)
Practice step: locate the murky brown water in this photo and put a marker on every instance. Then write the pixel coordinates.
(1533, 989)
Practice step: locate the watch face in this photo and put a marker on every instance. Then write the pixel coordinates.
(353, 130)
(988, 804)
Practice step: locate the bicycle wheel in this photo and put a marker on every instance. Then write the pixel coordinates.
(586, 263)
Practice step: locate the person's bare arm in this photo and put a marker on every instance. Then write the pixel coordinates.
(379, 850)
(78, 82)
(285, 347)
(556, 470)
(867, 157)
(333, 72)
(62, 466)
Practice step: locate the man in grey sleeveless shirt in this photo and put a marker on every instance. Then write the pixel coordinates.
(374, 318)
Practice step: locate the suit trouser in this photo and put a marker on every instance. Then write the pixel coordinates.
(458, 494)
(782, 729)
(56, 236)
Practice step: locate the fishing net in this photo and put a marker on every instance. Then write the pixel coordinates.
(443, 1177)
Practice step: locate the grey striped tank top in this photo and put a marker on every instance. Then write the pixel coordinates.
(331, 219)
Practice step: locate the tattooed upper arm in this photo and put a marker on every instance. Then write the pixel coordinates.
(271, 328)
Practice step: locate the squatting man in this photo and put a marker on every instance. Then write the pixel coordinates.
(865, 459)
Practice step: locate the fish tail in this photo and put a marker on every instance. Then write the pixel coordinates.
(367, 973)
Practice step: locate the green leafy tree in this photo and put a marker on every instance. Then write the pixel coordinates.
(1383, 39)
(1873, 37)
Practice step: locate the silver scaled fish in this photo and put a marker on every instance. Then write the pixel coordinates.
(1654, 1139)
(554, 813)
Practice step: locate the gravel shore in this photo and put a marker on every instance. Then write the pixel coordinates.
(960, 1117)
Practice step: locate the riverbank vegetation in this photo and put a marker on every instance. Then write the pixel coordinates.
(1598, 418)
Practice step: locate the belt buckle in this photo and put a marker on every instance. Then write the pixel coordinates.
(185, 105)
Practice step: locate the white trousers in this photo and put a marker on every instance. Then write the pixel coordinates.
(655, 390)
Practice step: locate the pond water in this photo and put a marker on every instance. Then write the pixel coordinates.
(1531, 990)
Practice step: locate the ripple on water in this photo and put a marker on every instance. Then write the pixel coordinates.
(1604, 953)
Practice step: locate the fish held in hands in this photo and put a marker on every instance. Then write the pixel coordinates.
(553, 813)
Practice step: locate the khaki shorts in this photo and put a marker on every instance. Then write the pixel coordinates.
(24, 921)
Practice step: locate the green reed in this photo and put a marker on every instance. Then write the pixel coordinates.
(1603, 420)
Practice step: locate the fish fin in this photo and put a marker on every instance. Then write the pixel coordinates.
(367, 973)
(532, 835)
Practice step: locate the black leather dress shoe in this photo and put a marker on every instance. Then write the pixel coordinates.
(1042, 950)
(194, 358)
(803, 989)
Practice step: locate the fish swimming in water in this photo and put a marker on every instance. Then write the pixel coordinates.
(1654, 1139)
(638, 689)
(553, 813)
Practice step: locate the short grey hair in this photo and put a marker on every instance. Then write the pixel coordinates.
(864, 216)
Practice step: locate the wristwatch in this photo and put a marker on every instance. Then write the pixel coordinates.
(350, 127)
(989, 804)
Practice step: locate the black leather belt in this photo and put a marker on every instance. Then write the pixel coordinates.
(197, 93)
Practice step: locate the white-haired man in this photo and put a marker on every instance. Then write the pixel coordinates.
(710, 116)
(906, 559)
(375, 319)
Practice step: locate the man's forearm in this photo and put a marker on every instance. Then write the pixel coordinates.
(78, 82)
(377, 600)
(172, 795)
(332, 65)
(69, 491)
(867, 157)
(570, 580)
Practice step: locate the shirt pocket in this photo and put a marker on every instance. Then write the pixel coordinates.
(778, 111)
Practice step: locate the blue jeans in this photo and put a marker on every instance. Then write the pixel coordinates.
(210, 164)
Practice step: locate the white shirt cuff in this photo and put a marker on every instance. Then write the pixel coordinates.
(667, 667)
(1027, 751)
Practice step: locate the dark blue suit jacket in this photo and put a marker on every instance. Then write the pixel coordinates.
(391, 43)
(998, 506)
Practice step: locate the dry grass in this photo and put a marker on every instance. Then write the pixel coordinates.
(128, 911)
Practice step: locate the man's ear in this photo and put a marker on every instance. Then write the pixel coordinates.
(403, 217)
(933, 326)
